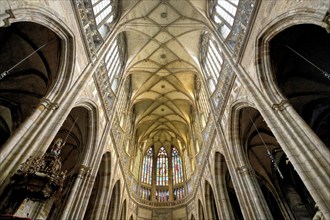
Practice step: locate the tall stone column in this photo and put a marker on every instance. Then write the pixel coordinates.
(225, 210)
(75, 200)
(307, 153)
(25, 141)
(251, 199)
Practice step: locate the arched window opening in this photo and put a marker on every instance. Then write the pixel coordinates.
(114, 61)
(104, 14)
(211, 59)
(162, 168)
(223, 15)
(146, 176)
(166, 182)
(110, 72)
(176, 167)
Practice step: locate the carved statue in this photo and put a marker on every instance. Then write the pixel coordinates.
(57, 147)
(318, 215)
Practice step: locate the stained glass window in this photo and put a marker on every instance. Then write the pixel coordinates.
(179, 193)
(146, 176)
(145, 193)
(176, 167)
(162, 195)
(162, 168)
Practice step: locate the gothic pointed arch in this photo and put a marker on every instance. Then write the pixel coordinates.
(306, 87)
(146, 170)
(201, 215)
(225, 188)
(123, 210)
(177, 169)
(211, 206)
(162, 170)
(29, 76)
(264, 155)
(114, 202)
(100, 189)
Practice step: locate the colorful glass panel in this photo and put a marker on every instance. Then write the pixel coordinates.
(162, 168)
(179, 193)
(162, 195)
(146, 176)
(176, 167)
(145, 193)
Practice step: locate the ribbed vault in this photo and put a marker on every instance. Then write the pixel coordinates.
(163, 49)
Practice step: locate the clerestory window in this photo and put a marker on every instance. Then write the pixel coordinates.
(223, 14)
(104, 13)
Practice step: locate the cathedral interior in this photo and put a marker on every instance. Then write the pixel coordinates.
(165, 109)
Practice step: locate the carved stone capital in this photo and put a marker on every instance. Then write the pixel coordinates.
(83, 171)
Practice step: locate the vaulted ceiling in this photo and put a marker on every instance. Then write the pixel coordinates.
(163, 45)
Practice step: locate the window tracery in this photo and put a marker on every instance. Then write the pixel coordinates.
(178, 193)
(146, 176)
(162, 168)
(104, 13)
(162, 195)
(155, 184)
(176, 167)
(145, 193)
(224, 15)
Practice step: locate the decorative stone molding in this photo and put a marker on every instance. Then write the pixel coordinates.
(92, 36)
(235, 40)
(245, 170)
(46, 103)
(5, 18)
(281, 106)
(326, 20)
(222, 92)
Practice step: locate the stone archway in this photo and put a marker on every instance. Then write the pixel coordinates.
(298, 96)
(123, 211)
(30, 59)
(75, 130)
(201, 215)
(114, 202)
(225, 188)
(264, 155)
(301, 71)
(75, 134)
(211, 206)
(99, 192)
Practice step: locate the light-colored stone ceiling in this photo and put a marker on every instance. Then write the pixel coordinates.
(163, 44)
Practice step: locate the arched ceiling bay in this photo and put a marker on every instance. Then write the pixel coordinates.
(163, 40)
